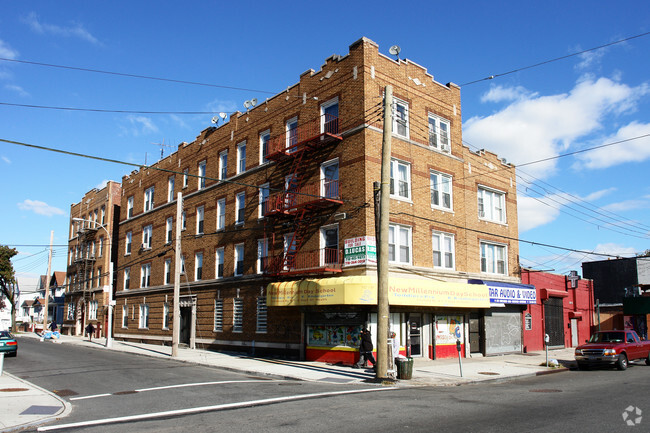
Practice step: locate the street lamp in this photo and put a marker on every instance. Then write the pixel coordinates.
(109, 328)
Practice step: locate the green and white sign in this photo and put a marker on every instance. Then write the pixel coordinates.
(360, 251)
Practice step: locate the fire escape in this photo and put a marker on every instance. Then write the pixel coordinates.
(84, 263)
(299, 203)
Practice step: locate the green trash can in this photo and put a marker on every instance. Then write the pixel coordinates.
(404, 368)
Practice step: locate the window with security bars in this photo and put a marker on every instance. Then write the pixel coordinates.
(261, 314)
(238, 315)
(218, 315)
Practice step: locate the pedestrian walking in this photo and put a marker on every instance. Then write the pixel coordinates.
(53, 327)
(365, 350)
(90, 329)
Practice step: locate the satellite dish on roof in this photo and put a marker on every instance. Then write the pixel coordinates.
(395, 50)
(215, 120)
(247, 104)
(253, 102)
(223, 115)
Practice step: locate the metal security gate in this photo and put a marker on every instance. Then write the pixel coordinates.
(554, 320)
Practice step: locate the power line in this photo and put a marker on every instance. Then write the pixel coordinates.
(101, 110)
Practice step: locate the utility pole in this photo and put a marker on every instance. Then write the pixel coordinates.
(382, 242)
(176, 323)
(111, 302)
(47, 281)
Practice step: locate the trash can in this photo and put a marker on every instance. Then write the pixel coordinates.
(404, 368)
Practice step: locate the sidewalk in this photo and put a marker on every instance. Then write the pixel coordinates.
(36, 405)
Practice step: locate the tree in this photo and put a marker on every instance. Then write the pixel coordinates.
(8, 287)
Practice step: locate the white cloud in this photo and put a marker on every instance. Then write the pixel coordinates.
(40, 208)
(534, 213)
(5, 159)
(537, 127)
(102, 184)
(627, 205)
(634, 150)
(16, 89)
(501, 93)
(140, 125)
(613, 249)
(590, 59)
(74, 30)
(6, 51)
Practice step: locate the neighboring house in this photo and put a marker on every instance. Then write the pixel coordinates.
(91, 249)
(5, 317)
(55, 303)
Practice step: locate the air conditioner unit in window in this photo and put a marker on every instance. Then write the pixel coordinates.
(445, 148)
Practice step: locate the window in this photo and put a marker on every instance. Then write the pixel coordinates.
(102, 212)
(329, 241)
(262, 255)
(493, 258)
(399, 244)
(127, 249)
(439, 133)
(129, 207)
(223, 165)
(101, 247)
(145, 275)
(329, 175)
(241, 157)
(402, 171)
(198, 266)
(146, 236)
(144, 316)
(186, 173)
(329, 123)
(168, 271)
(127, 278)
(99, 276)
(443, 250)
(182, 265)
(148, 199)
(240, 204)
(91, 279)
(201, 175)
(165, 323)
(401, 118)
(238, 315)
(221, 214)
(292, 134)
(218, 315)
(239, 259)
(125, 316)
(92, 310)
(261, 315)
(70, 311)
(263, 200)
(265, 137)
(440, 190)
(183, 221)
(491, 205)
(290, 249)
(169, 227)
(199, 220)
(219, 263)
(170, 189)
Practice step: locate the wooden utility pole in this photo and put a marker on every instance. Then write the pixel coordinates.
(382, 260)
(47, 282)
(176, 321)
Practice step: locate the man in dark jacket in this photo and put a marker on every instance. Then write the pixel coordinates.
(365, 350)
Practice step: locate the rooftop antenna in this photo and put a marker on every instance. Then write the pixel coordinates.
(162, 148)
(395, 50)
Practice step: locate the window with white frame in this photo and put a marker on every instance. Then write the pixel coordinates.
(261, 315)
(165, 324)
(441, 190)
(199, 220)
(182, 265)
(491, 205)
(401, 118)
(494, 258)
(125, 316)
(169, 230)
(238, 315)
(186, 175)
(439, 133)
(129, 207)
(102, 214)
(262, 255)
(127, 245)
(70, 311)
(147, 232)
(221, 214)
(329, 123)
(241, 157)
(329, 175)
(263, 200)
(291, 128)
(218, 315)
(198, 266)
(201, 175)
(443, 250)
(127, 278)
(92, 310)
(329, 241)
(91, 279)
(148, 199)
(168, 271)
(145, 275)
(265, 138)
(399, 244)
(223, 165)
(219, 262)
(144, 316)
(170, 189)
(99, 276)
(100, 253)
(240, 201)
(400, 179)
(183, 221)
(239, 259)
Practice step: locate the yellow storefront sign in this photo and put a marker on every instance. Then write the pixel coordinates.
(362, 290)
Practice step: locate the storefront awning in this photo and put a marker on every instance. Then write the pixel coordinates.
(508, 293)
(362, 290)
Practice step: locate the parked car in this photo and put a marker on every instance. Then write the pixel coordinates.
(612, 347)
(8, 344)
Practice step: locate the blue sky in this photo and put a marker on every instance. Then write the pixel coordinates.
(591, 201)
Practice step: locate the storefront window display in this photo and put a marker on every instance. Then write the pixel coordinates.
(333, 335)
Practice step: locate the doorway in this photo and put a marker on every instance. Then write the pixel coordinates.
(476, 333)
(554, 321)
(415, 334)
(186, 325)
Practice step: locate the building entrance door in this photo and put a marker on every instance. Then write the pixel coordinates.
(575, 338)
(186, 325)
(475, 333)
(415, 337)
(554, 320)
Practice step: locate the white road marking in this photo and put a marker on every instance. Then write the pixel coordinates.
(218, 407)
(89, 396)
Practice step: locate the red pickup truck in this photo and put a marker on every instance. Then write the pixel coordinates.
(612, 347)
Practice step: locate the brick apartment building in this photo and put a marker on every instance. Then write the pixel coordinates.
(91, 248)
(278, 238)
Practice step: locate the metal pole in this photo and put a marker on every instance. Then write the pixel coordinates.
(109, 327)
(382, 262)
(176, 323)
(47, 282)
